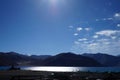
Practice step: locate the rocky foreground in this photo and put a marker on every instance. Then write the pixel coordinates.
(41, 75)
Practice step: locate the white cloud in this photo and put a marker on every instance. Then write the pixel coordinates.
(85, 42)
(97, 20)
(104, 19)
(95, 36)
(87, 29)
(93, 44)
(118, 25)
(109, 18)
(83, 39)
(76, 42)
(75, 34)
(102, 40)
(79, 28)
(107, 43)
(117, 16)
(70, 26)
(113, 37)
(102, 45)
(108, 33)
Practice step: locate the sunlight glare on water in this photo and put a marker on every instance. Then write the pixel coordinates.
(54, 69)
(72, 69)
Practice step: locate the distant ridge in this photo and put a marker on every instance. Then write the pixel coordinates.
(62, 59)
(105, 59)
(13, 58)
(40, 56)
(70, 59)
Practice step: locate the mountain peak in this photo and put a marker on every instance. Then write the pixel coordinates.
(66, 54)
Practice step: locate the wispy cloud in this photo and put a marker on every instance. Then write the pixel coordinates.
(108, 32)
(83, 39)
(105, 40)
(76, 42)
(111, 47)
(109, 18)
(87, 29)
(118, 25)
(95, 36)
(105, 19)
(75, 34)
(79, 29)
(117, 16)
(113, 37)
(70, 26)
(93, 44)
(84, 29)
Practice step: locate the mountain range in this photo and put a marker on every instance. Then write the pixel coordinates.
(105, 59)
(62, 59)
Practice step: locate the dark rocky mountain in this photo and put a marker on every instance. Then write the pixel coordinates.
(105, 59)
(13, 58)
(70, 59)
(63, 59)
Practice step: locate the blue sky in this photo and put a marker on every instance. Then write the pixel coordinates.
(54, 26)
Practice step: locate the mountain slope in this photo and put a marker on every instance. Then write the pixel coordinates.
(40, 56)
(13, 58)
(105, 59)
(70, 59)
(63, 59)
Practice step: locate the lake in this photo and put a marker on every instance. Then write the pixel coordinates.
(68, 69)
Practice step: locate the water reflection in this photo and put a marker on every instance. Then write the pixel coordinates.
(55, 69)
(74, 69)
